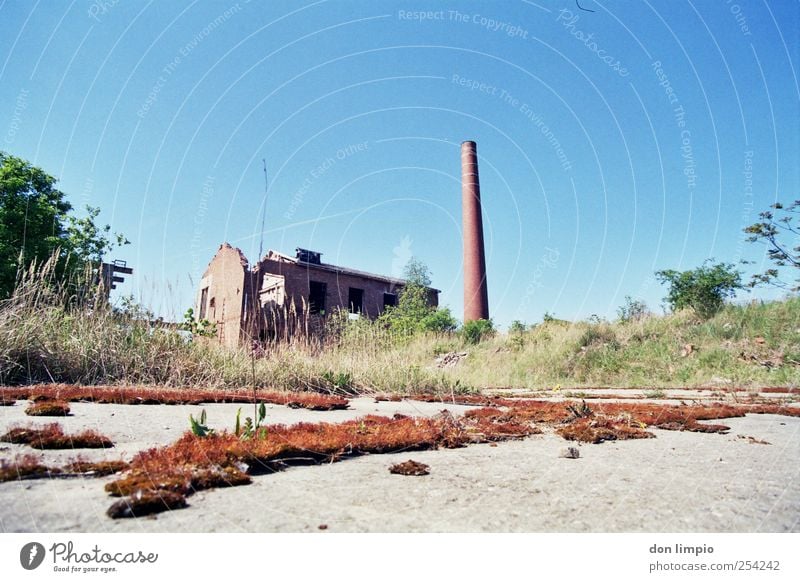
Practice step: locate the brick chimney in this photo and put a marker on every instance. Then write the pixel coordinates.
(476, 297)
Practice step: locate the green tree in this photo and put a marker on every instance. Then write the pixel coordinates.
(417, 273)
(35, 223)
(775, 226)
(703, 289)
(414, 312)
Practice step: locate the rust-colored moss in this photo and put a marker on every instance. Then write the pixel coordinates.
(48, 408)
(146, 502)
(95, 469)
(25, 467)
(599, 429)
(150, 395)
(169, 479)
(52, 436)
(193, 463)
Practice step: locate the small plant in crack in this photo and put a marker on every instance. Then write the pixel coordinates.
(581, 410)
(249, 430)
(199, 426)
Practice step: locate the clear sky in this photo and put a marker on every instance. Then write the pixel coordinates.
(615, 138)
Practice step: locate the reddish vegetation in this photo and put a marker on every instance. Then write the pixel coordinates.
(48, 408)
(95, 469)
(148, 395)
(624, 420)
(193, 463)
(24, 467)
(596, 430)
(184, 480)
(410, 468)
(145, 503)
(51, 436)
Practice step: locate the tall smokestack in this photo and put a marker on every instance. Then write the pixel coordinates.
(476, 297)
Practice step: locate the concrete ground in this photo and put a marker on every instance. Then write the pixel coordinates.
(677, 482)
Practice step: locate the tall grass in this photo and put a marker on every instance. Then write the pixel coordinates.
(49, 334)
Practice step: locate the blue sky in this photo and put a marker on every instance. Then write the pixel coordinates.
(613, 143)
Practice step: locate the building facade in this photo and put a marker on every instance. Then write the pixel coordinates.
(281, 295)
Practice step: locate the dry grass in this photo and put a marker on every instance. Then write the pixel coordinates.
(52, 436)
(44, 393)
(47, 408)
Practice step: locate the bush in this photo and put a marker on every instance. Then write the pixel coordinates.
(476, 331)
(439, 320)
(703, 289)
(414, 312)
(516, 327)
(632, 310)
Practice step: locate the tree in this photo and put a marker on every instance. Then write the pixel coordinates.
(703, 289)
(413, 312)
(772, 230)
(417, 273)
(35, 223)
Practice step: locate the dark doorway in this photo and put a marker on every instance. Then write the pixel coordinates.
(316, 296)
(355, 300)
(389, 300)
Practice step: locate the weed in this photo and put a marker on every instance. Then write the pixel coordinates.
(250, 430)
(580, 411)
(199, 427)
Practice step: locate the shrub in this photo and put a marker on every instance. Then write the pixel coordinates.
(703, 289)
(477, 330)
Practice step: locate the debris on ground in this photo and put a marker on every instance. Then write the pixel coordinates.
(146, 503)
(450, 359)
(410, 467)
(570, 453)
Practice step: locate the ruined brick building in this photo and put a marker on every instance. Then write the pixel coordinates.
(283, 295)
